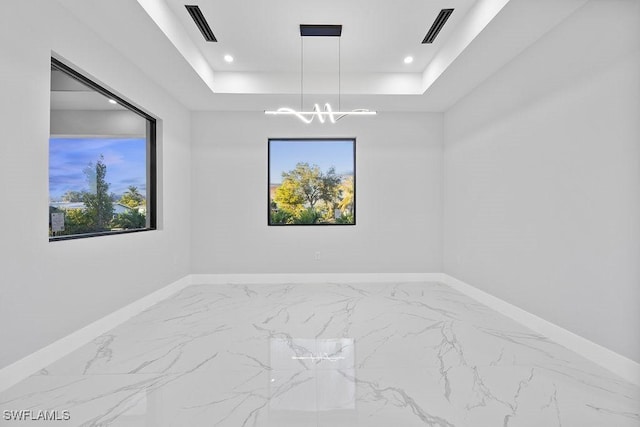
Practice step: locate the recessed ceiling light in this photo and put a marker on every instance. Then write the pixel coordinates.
(408, 60)
(228, 58)
(112, 101)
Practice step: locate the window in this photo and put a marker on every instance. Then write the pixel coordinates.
(102, 160)
(312, 182)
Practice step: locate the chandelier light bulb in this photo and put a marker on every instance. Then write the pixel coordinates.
(322, 115)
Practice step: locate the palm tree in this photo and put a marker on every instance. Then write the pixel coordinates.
(346, 188)
(132, 197)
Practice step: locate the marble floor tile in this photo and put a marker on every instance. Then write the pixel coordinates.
(405, 354)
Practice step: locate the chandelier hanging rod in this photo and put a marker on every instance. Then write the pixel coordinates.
(322, 115)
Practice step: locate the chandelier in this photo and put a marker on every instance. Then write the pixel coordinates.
(327, 111)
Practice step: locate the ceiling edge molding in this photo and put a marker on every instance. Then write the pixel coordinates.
(318, 83)
(165, 19)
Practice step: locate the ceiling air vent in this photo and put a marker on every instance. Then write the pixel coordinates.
(202, 24)
(437, 25)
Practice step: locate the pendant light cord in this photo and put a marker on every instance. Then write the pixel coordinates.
(339, 75)
(301, 73)
(326, 112)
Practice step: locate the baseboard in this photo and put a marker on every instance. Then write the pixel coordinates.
(608, 359)
(251, 279)
(23, 368)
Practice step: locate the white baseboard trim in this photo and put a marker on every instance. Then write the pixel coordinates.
(255, 279)
(608, 359)
(23, 368)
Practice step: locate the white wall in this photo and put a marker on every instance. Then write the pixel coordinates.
(398, 197)
(123, 123)
(542, 178)
(48, 290)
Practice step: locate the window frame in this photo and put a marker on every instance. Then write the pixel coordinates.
(151, 171)
(319, 139)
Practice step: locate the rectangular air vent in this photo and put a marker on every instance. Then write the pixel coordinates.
(320, 30)
(437, 25)
(201, 23)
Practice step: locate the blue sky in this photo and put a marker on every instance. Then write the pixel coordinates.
(284, 155)
(125, 159)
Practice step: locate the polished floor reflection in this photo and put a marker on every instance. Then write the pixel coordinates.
(334, 355)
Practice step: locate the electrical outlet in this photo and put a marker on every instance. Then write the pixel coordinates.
(316, 256)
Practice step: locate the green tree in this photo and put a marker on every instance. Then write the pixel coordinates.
(347, 194)
(307, 216)
(329, 193)
(288, 196)
(306, 182)
(131, 219)
(77, 221)
(345, 218)
(307, 185)
(330, 186)
(132, 198)
(97, 201)
(282, 216)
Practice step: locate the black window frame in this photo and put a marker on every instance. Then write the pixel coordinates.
(319, 139)
(152, 170)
